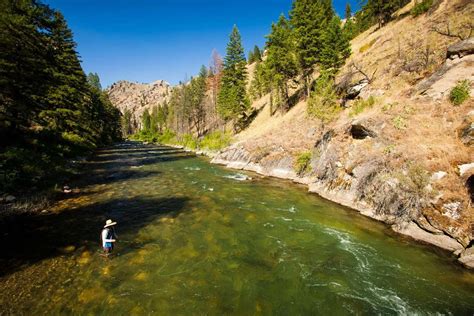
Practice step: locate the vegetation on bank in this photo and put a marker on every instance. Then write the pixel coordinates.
(460, 92)
(50, 111)
(213, 141)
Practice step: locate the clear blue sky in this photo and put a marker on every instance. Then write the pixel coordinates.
(147, 40)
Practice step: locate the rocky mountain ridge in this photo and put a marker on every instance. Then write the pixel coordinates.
(138, 97)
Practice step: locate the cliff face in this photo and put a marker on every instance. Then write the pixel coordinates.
(406, 157)
(138, 97)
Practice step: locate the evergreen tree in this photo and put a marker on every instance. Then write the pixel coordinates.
(309, 19)
(146, 121)
(348, 15)
(257, 54)
(198, 94)
(336, 47)
(94, 81)
(232, 98)
(251, 57)
(281, 59)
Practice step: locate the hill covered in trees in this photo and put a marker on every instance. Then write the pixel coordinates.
(50, 111)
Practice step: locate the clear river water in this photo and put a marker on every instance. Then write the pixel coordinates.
(198, 239)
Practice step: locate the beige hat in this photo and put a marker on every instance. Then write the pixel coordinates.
(109, 223)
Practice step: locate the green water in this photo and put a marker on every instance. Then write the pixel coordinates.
(195, 239)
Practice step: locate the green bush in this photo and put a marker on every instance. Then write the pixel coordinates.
(399, 122)
(421, 7)
(460, 92)
(188, 141)
(322, 102)
(303, 163)
(216, 140)
(360, 105)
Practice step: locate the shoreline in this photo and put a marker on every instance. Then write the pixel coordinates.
(411, 229)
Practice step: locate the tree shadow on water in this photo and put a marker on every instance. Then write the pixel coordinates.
(27, 239)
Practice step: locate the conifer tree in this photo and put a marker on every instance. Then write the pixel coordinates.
(309, 19)
(257, 54)
(146, 121)
(94, 81)
(251, 57)
(281, 59)
(232, 98)
(348, 15)
(336, 47)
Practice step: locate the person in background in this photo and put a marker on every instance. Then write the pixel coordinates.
(108, 236)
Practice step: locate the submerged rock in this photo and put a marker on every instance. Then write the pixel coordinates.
(467, 257)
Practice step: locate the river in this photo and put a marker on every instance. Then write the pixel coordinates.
(196, 238)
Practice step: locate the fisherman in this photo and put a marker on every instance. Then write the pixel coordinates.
(108, 236)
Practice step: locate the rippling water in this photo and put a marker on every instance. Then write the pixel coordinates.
(195, 238)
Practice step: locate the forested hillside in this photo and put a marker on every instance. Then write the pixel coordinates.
(50, 111)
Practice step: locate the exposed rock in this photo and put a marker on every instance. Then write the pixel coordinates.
(466, 130)
(465, 169)
(445, 78)
(461, 49)
(414, 231)
(355, 90)
(467, 257)
(438, 175)
(451, 210)
(138, 97)
(359, 131)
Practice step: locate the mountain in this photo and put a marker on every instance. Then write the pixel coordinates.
(138, 97)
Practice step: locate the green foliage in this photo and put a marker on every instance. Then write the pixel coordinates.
(281, 61)
(254, 55)
(322, 103)
(335, 46)
(302, 164)
(366, 46)
(146, 121)
(360, 105)
(188, 141)
(421, 7)
(216, 140)
(261, 82)
(50, 111)
(233, 102)
(348, 14)
(399, 122)
(309, 19)
(460, 92)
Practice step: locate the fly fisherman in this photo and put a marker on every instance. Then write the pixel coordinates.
(108, 237)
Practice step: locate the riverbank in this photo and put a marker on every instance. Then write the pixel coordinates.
(235, 157)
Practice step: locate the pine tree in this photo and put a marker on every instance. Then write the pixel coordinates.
(251, 57)
(281, 59)
(336, 47)
(232, 98)
(257, 54)
(309, 19)
(146, 121)
(348, 15)
(94, 81)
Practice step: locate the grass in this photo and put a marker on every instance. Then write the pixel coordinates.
(302, 164)
(460, 92)
(399, 122)
(216, 140)
(366, 47)
(421, 7)
(360, 105)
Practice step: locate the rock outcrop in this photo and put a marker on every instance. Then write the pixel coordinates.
(138, 97)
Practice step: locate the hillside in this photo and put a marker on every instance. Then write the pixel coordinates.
(138, 97)
(399, 151)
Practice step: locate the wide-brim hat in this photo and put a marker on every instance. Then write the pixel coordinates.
(109, 222)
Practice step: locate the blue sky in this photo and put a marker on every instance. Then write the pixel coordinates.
(147, 40)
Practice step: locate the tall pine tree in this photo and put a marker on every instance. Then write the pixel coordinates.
(281, 59)
(309, 19)
(336, 47)
(233, 102)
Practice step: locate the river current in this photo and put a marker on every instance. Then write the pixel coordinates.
(198, 239)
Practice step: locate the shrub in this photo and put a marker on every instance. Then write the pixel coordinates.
(360, 105)
(460, 92)
(188, 141)
(322, 102)
(216, 140)
(167, 137)
(421, 7)
(302, 164)
(399, 122)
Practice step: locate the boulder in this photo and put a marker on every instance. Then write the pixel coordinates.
(438, 175)
(466, 130)
(467, 257)
(355, 90)
(461, 49)
(465, 169)
(10, 199)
